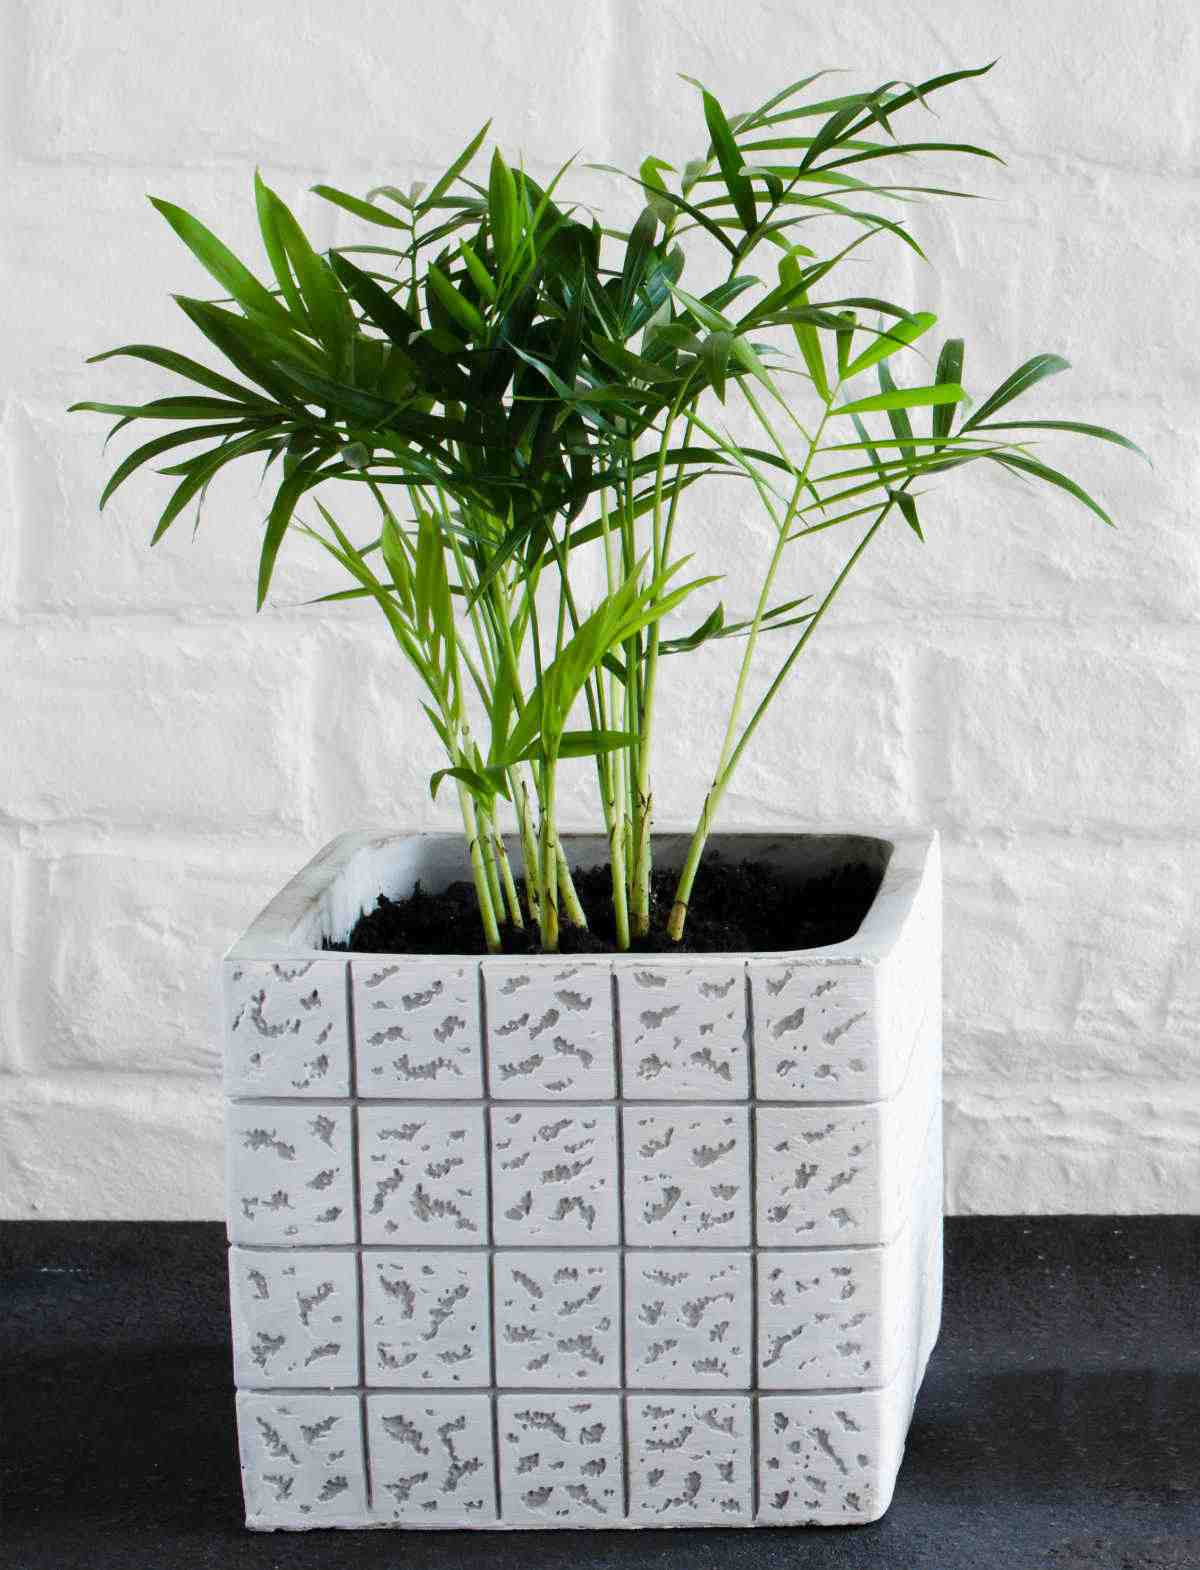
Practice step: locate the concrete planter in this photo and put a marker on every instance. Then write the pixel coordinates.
(566, 1242)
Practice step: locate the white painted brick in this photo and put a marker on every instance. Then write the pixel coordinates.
(1048, 728)
(14, 1023)
(807, 763)
(431, 1459)
(111, 980)
(111, 1146)
(78, 560)
(1112, 1147)
(140, 725)
(1073, 956)
(326, 95)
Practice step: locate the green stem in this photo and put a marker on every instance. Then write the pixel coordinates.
(511, 899)
(483, 893)
(687, 876)
(548, 893)
(566, 887)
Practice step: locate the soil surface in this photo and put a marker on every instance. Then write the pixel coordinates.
(735, 907)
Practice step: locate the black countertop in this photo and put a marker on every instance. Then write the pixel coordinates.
(1058, 1426)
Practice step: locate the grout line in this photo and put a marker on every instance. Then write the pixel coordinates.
(566, 1393)
(359, 1267)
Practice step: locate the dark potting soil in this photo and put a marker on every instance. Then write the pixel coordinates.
(735, 907)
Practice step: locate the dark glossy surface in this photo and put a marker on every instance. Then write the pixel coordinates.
(1059, 1424)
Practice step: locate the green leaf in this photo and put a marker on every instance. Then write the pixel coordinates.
(265, 202)
(325, 306)
(949, 369)
(588, 743)
(233, 276)
(361, 209)
(201, 471)
(303, 477)
(714, 357)
(456, 304)
(502, 209)
(161, 444)
(1042, 471)
(249, 345)
(442, 185)
(181, 365)
(909, 508)
(892, 341)
(380, 307)
(1024, 377)
(1100, 432)
(805, 332)
(903, 398)
(741, 192)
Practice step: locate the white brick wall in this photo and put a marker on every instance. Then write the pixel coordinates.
(1028, 682)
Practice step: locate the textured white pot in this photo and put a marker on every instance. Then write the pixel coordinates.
(563, 1242)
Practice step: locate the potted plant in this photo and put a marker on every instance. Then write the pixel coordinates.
(586, 1179)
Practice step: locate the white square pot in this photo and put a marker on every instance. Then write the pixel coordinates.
(581, 1242)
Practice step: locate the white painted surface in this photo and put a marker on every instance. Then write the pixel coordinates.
(1028, 682)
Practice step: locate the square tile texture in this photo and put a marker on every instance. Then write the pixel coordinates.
(590, 1242)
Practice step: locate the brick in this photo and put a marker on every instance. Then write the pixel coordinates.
(76, 560)
(121, 951)
(110, 1147)
(266, 89)
(1071, 957)
(1042, 729)
(1112, 1147)
(141, 725)
(805, 762)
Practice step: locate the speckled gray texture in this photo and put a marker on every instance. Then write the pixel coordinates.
(551, 1242)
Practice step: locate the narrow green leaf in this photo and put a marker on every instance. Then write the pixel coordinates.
(949, 369)
(458, 306)
(903, 398)
(892, 341)
(181, 365)
(361, 209)
(443, 184)
(306, 474)
(217, 259)
(1042, 471)
(1100, 432)
(1024, 377)
(741, 192)
(502, 209)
